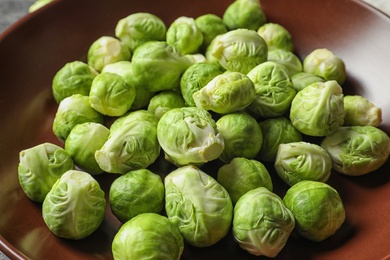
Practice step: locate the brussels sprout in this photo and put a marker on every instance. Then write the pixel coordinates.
(244, 14)
(196, 58)
(262, 224)
(111, 95)
(158, 66)
(239, 50)
(185, 35)
(317, 207)
(136, 192)
(125, 69)
(131, 117)
(303, 79)
(357, 150)
(198, 205)
(164, 101)
(324, 63)
(82, 143)
(298, 161)
(106, 50)
(226, 93)
(274, 90)
(133, 145)
(242, 136)
(38, 4)
(242, 175)
(276, 36)
(138, 28)
(210, 25)
(72, 111)
(40, 167)
(318, 109)
(189, 135)
(288, 59)
(73, 78)
(75, 206)
(196, 77)
(276, 131)
(360, 111)
(148, 236)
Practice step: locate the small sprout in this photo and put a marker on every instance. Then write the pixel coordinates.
(246, 14)
(359, 111)
(276, 36)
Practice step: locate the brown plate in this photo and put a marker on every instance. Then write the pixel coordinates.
(33, 49)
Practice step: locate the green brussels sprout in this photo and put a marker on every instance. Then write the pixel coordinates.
(73, 78)
(276, 131)
(138, 28)
(244, 14)
(164, 101)
(303, 79)
(131, 117)
(291, 61)
(318, 109)
(75, 207)
(360, 111)
(38, 4)
(72, 111)
(324, 63)
(298, 161)
(239, 50)
(185, 35)
(136, 192)
(40, 167)
(158, 66)
(148, 236)
(111, 95)
(132, 146)
(125, 69)
(106, 50)
(317, 207)
(262, 224)
(226, 93)
(196, 77)
(210, 25)
(241, 134)
(198, 205)
(82, 143)
(189, 135)
(274, 90)
(276, 36)
(242, 175)
(357, 150)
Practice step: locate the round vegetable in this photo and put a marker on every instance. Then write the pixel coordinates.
(359, 111)
(244, 14)
(210, 25)
(288, 59)
(165, 101)
(276, 36)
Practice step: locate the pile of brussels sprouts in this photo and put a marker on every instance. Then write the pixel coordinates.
(202, 89)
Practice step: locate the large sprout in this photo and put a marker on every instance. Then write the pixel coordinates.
(148, 236)
(242, 136)
(185, 35)
(75, 206)
(274, 90)
(210, 25)
(158, 66)
(165, 101)
(276, 36)
(238, 50)
(72, 111)
(189, 135)
(136, 192)
(138, 28)
(82, 143)
(106, 50)
(318, 109)
(298, 161)
(40, 167)
(226, 93)
(317, 207)
(242, 175)
(262, 224)
(244, 14)
(326, 64)
(131, 117)
(196, 77)
(357, 150)
(73, 78)
(198, 205)
(360, 111)
(288, 59)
